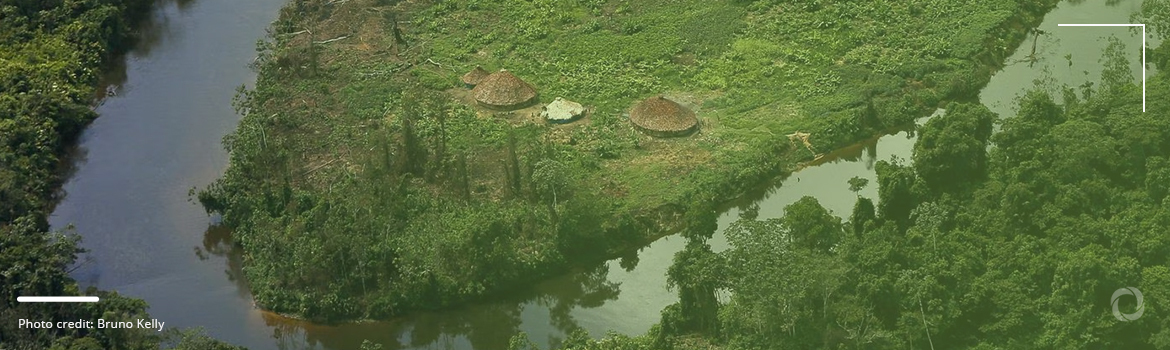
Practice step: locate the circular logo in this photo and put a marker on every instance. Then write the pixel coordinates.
(1130, 316)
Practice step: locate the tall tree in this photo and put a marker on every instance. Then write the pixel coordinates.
(810, 226)
(951, 151)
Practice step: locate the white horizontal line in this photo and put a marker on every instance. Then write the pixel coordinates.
(82, 299)
(1098, 25)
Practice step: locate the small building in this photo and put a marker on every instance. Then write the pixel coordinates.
(503, 91)
(562, 111)
(660, 117)
(474, 77)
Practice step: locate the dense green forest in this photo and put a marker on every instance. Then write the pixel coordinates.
(51, 57)
(360, 185)
(1015, 239)
(360, 188)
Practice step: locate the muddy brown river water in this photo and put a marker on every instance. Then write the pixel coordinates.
(159, 136)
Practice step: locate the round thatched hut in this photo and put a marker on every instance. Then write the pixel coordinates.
(658, 116)
(472, 78)
(503, 90)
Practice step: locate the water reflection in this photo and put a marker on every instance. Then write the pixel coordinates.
(217, 241)
(161, 136)
(164, 109)
(588, 299)
(843, 163)
(149, 34)
(159, 28)
(1110, 3)
(629, 261)
(591, 298)
(548, 307)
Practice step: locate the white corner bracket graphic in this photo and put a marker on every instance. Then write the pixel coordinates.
(1143, 49)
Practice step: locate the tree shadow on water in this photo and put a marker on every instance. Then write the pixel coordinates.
(149, 33)
(485, 325)
(1107, 2)
(586, 289)
(217, 241)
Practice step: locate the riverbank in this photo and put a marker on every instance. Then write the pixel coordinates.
(351, 201)
(51, 59)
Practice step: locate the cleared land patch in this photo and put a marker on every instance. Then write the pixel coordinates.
(359, 189)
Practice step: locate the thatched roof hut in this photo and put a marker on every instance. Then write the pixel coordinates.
(472, 78)
(503, 90)
(661, 117)
(562, 111)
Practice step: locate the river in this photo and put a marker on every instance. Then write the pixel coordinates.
(159, 136)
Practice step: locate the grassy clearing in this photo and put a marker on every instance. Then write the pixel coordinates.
(360, 188)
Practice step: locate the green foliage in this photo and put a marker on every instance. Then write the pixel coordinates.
(1157, 178)
(695, 274)
(707, 32)
(369, 345)
(952, 148)
(1022, 250)
(781, 284)
(35, 263)
(810, 226)
(1116, 74)
(549, 177)
(195, 339)
(864, 214)
(897, 190)
(856, 184)
(51, 55)
(359, 190)
(580, 340)
(1156, 15)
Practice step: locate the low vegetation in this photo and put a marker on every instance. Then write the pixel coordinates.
(1022, 248)
(362, 185)
(1016, 239)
